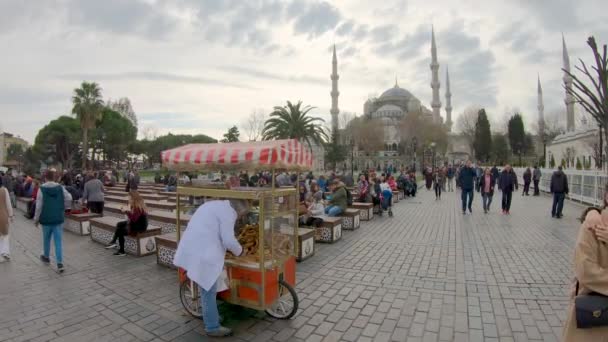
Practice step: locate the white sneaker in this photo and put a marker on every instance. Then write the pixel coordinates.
(110, 246)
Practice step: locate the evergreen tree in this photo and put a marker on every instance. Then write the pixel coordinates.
(500, 149)
(232, 135)
(517, 135)
(552, 162)
(579, 166)
(482, 143)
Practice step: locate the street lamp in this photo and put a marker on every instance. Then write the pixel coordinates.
(414, 145)
(433, 148)
(352, 157)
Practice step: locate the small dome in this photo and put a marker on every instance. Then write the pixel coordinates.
(396, 91)
(388, 111)
(389, 107)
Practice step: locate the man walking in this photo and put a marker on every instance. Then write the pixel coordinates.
(467, 183)
(450, 175)
(507, 183)
(495, 174)
(536, 174)
(51, 202)
(559, 188)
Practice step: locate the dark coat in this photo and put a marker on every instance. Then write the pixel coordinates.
(527, 176)
(508, 181)
(467, 178)
(495, 172)
(482, 184)
(559, 183)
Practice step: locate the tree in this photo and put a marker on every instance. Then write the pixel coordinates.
(367, 135)
(14, 152)
(254, 125)
(579, 166)
(517, 135)
(500, 149)
(415, 124)
(465, 123)
(113, 135)
(123, 106)
(58, 141)
(482, 142)
(334, 153)
(88, 106)
(294, 122)
(232, 135)
(552, 162)
(153, 148)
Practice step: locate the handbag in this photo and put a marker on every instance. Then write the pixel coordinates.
(591, 310)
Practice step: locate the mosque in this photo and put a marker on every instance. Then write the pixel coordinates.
(391, 108)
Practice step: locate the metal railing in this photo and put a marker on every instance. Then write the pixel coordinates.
(585, 186)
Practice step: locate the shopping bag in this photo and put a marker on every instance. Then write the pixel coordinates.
(222, 282)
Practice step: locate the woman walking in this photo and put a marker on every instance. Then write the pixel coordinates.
(527, 181)
(486, 187)
(590, 265)
(6, 216)
(93, 194)
(438, 180)
(137, 222)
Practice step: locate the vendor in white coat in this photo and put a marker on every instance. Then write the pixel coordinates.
(201, 251)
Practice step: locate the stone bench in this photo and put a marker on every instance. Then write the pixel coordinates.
(330, 231)
(166, 245)
(366, 210)
(167, 221)
(396, 195)
(124, 200)
(305, 242)
(23, 203)
(351, 219)
(79, 223)
(102, 231)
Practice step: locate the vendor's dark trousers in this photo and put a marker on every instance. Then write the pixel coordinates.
(506, 200)
(558, 204)
(463, 197)
(526, 188)
(95, 207)
(119, 234)
(536, 190)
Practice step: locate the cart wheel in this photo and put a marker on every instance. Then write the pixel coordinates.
(190, 298)
(287, 304)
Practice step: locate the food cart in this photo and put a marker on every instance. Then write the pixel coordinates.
(264, 279)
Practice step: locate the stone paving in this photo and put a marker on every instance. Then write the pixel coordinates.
(427, 274)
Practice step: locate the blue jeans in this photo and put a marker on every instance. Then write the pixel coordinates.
(487, 200)
(211, 315)
(170, 188)
(463, 196)
(333, 211)
(56, 232)
(558, 204)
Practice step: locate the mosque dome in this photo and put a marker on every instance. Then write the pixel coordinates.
(396, 91)
(388, 111)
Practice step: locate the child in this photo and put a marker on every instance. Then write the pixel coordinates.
(315, 212)
(387, 196)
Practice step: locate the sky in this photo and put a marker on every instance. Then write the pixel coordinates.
(202, 66)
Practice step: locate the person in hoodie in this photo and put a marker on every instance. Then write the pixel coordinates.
(507, 184)
(559, 189)
(338, 201)
(527, 181)
(536, 174)
(51, 203)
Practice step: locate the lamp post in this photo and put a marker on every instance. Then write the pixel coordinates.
(414, 146)
(433, 145)
(352, 157)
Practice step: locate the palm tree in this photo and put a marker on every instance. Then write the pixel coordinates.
(88, 106)
(294, 122)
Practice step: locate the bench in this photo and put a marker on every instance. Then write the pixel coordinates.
(330, 231)
(396, 195)
(162, 205)
(102, 231)
(166, 245)
(305, 242)
(79, 223)
(366, 210)
(350, 219)
(124, 199)
(23, 203)
(160, 218)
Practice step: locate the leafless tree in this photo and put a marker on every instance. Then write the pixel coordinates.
(150, 132)
(465, 123)
(253, 126)
(368, 135)
(124, 107)
(594, 97)
(344, 119)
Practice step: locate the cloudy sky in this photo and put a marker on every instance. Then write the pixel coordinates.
(201, 66)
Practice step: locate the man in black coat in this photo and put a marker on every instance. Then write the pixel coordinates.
(466, 179)
(559, 188)
(507, 183)
(495, 174)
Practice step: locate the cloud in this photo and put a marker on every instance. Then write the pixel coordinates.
(15, 96)
(313, 18)
(522, 41)
(272, 76)
(151, 76)
(345, 28)
(406, 47)
(554, 14)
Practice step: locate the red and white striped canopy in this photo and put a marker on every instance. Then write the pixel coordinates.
(276, 154)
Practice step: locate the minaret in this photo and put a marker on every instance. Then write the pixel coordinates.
(541, 111)
(436, 103)
(334, 95)
(568, 85)
(448, 101)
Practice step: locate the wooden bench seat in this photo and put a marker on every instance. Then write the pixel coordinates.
(396, 196)
(162, 205)
(351, 219)
(102, 231)
(366, 210)
(79, 223)
(330, 231)
(161, 218)
(23, 203)
(305, 247)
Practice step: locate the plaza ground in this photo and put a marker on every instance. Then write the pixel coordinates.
(427, 274)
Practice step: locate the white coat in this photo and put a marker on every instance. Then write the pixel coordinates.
(203, 246)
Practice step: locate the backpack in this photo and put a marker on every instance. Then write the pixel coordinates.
(349, 197)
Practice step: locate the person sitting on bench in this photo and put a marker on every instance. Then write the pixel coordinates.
(338, 201)
(137, 222)
(314, 213)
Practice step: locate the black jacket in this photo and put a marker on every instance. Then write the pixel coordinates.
(508, 181)
(527, 176)
(467, 178)
(559, 183)
(482, 184)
